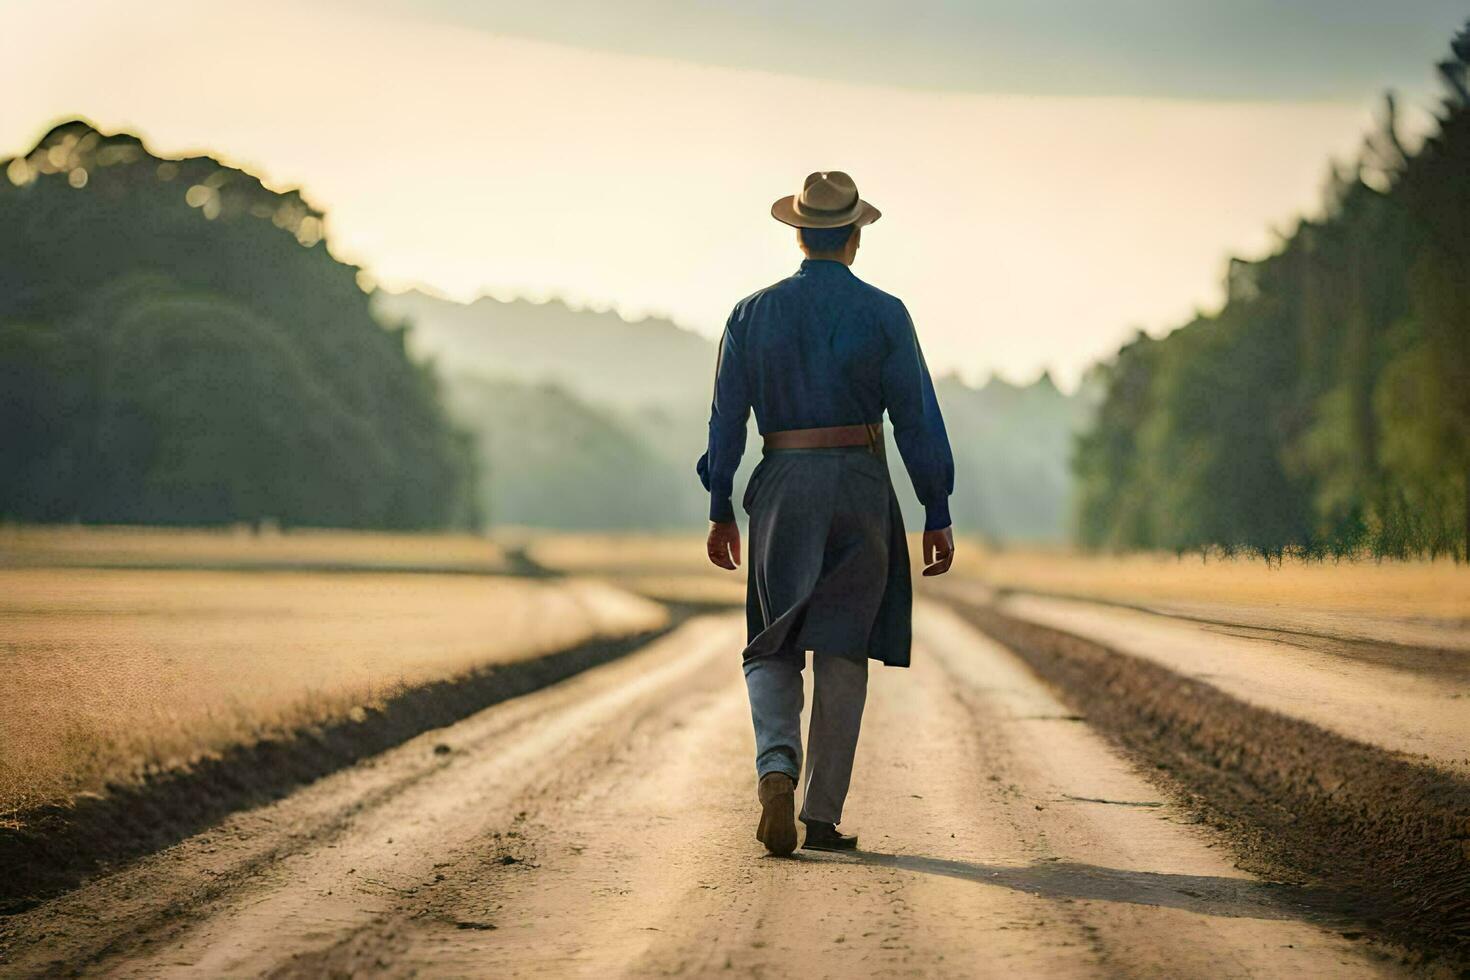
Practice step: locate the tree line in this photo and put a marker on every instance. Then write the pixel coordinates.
(1325, 409)
(178, 346)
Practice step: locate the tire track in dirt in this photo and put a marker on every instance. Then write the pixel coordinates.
(323, 861)
(1383, 837)
(605, 827)
(55, 848)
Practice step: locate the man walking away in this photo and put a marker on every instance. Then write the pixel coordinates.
(819, 357)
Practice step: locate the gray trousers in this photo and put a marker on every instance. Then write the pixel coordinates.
(839, 689)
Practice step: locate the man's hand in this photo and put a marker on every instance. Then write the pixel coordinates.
(938, 550)
(723, 545)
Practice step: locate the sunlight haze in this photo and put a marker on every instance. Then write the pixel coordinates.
(1024, 231)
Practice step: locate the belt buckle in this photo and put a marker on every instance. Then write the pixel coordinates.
(875, 438)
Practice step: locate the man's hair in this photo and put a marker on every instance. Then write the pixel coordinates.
(825, 239)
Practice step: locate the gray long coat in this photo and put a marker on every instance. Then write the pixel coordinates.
(828, 568)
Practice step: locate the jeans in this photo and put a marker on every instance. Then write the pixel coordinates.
(839, 689)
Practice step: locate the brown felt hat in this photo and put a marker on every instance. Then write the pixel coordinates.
(828, 199)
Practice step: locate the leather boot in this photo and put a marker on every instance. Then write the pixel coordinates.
(777, 829)
(823, 836)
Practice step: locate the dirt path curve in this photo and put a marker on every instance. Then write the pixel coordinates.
(604, 827)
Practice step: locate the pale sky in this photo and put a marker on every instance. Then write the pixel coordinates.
(1032, 219)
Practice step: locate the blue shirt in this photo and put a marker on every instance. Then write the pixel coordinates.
(825, 348)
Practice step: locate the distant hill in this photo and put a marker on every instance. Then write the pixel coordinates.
(634, 397)
(600, 422)
(598, 355)
(553, 460)
(178, 346)
(1012, 447)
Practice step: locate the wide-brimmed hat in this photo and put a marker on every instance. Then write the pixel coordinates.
(828, 199)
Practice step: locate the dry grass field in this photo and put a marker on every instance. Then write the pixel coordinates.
(1438, 590)
(666, 567)
(674, 567)
(124, 649)
(108, 672)
(134, 547)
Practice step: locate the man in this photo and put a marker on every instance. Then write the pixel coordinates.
(819, 357)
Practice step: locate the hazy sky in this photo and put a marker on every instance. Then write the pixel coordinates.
(1051, 179)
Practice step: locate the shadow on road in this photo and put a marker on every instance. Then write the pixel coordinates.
(1226, 897)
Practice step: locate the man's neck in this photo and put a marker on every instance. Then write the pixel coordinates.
(829, 257)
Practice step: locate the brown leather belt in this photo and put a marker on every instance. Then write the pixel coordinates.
(828, 437)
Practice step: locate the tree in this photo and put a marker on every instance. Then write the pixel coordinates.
(180, 346)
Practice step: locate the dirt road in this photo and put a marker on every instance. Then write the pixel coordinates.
(605, 827)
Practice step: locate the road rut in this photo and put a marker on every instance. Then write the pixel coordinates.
(605, 827)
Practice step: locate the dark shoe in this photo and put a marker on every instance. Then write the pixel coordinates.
(777, 829)
(821, 836)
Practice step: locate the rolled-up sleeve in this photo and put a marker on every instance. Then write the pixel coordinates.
(729, 411)
(918, 426)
